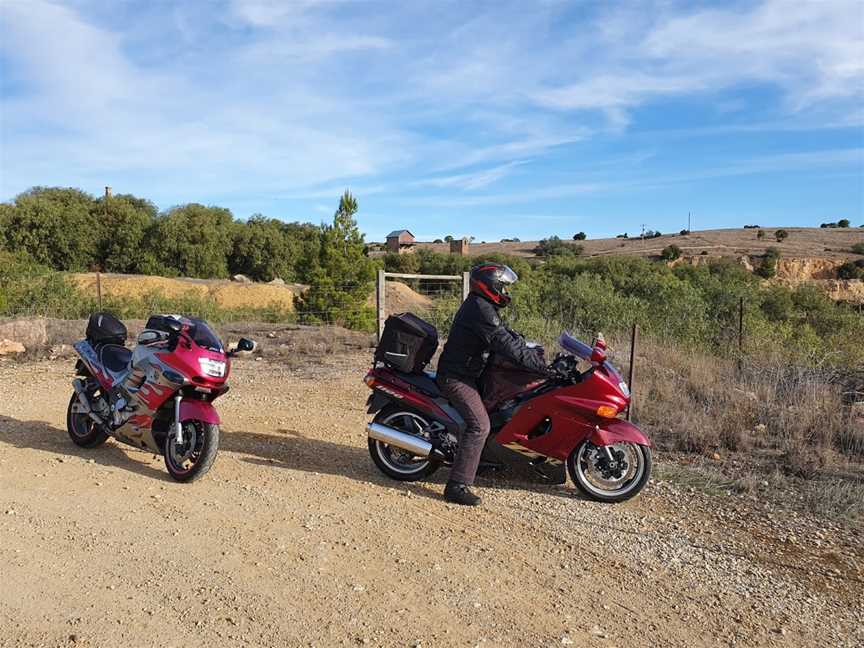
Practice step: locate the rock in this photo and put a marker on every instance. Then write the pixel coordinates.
(8, 346)
(716, 456)
(277, 282)
(271, 334)
(31, 332)
(239, 278)
(566, 641)
(761, 427)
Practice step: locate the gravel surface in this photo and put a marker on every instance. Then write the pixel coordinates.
(295, 539)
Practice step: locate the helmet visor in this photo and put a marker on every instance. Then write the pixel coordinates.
(507, 276)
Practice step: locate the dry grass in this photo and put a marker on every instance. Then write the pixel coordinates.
(226, 294)
(756, 421)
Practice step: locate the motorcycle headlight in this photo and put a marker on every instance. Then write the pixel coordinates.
(213, 368)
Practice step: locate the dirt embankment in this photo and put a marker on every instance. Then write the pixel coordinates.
(227, 294)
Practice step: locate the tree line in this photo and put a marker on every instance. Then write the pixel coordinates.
(69, 229)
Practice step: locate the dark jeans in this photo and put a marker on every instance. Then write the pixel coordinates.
(466, 399)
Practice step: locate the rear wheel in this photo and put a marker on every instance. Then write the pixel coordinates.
(82, 429)
(193, 458)
(395, 462)
(612, 473)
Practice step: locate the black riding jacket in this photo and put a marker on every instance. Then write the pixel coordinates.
(477, 330)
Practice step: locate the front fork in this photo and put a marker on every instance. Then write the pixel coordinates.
(178, 426)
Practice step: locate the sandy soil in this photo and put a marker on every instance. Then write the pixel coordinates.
(294, 539)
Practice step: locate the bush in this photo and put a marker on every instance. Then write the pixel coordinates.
(554, 246)
(684, 232)
(768, 267)
(850, 270)
(622, 236)
(670, 253)
(843, 222)
(858, 248)
(580, 236)
(760, 234)
(781, 235)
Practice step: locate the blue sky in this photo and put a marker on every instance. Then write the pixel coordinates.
(491, 119)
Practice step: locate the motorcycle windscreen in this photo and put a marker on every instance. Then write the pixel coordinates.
(571, 345)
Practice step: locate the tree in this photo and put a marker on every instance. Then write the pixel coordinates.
(194, 240)
(54, 226)
(843, 222)
(448, 238)
(670, 253)
(781, 235)
(344, 276)
(125, 228)
(760, 234)
(438, 241)
(263, 250)
(580, 236)
(684, 232)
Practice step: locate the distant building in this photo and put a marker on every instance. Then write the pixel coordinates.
(460, 246)
(400, 242)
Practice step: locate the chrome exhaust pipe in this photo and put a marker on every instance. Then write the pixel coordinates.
(391, 436)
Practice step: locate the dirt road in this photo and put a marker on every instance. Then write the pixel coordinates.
(294, 539)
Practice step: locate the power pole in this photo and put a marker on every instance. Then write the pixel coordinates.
(642, 235)
(688, 222)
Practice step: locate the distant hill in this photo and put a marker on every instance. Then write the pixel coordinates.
(803, 242)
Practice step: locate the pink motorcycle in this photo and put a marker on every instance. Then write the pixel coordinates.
(158, 397)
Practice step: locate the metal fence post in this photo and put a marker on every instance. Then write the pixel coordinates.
(634, 335)
(466, 285)
(380, 294)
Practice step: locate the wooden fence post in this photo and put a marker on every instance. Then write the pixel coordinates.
(99, 290)
(380, 294)
(741, 325)
(466, 285)
(634, 335)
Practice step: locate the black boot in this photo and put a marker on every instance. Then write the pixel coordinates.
(460, 494)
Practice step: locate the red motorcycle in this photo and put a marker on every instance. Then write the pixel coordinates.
(158, 397)
(572, 417)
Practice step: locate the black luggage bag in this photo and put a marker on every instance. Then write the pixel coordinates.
(407, 343)
(104, 328)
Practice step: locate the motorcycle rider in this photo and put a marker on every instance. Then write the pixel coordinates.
(477, 330)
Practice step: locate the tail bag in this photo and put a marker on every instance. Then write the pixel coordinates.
(407, 343)
(104, 328)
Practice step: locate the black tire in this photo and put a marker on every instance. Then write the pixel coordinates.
(82, 429)
(194, 462)
(631, 487)
(382, 454)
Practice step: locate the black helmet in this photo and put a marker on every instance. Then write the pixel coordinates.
(493, 281)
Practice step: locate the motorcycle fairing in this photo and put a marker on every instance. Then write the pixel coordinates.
(90, 359)
(529, 430)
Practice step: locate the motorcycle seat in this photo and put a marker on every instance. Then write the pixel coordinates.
(425, 382)
(115, 358)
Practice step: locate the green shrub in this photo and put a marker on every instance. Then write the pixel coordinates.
(554, 246)
(580, 236)
(768, 268)
(781, 235)
(850, 270)
(858, 248)
(670, 253)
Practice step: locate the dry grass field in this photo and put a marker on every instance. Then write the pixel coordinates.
(803, 242)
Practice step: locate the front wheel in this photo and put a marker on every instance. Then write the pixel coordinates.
(612, 473)
(395, 462)
(193, 458)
